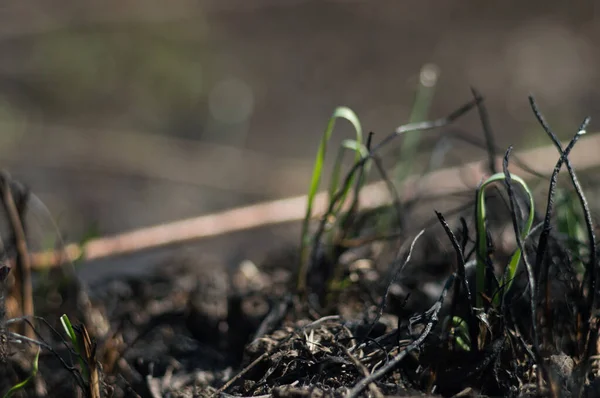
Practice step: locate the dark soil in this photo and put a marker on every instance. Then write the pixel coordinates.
(192, 326)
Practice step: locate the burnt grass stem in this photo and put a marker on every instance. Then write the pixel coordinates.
(487, 132)
(433, 314)
(546, 228)
(593, 269)
(589, 333)
(513, 211)
(460, 281)
(389, 285)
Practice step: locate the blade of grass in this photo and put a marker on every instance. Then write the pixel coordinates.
(481, 232)
(513, 264)
(520, 238)
(346, 145)
(570, 223)
(428, 78)
(21, 385)
(68, 327)
(460, 333)
(357, 147)
(340, 221)
(338, 113)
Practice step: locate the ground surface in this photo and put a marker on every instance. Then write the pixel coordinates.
(195, 327)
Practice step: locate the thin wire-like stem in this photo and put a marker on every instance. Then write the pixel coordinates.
(433, 314)
(592, 273)
(487, 132)
(460, 281)
(593, 270)
(391, 281)
(25, 319)
(513, 211)
(543, 239)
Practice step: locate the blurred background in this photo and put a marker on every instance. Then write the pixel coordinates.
(124, 114)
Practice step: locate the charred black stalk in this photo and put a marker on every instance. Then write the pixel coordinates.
(592, 273)
(487, 132)
(460, 281)
(389, 285)
(433, 314)
(4, 270)
(513, 211)
(543, 240)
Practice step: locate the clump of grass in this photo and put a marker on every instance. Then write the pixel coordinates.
(9, 338)
(482, 318)
(15, 199)
(463, 332)
(483, 261)
(360, 151)
(86, 353)
(571, 223)
(338, 192)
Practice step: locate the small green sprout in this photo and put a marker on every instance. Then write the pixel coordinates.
(428, 78)
(571, 223)
(68, 327)
(21, 385)
(482, 248)
(460, 332)
(343, 113)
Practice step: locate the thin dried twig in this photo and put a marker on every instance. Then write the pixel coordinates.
(400, 266)
(365, 372)
(23, 282)
(487, 132)
(461, 281)
(235, 378)
(88, 351)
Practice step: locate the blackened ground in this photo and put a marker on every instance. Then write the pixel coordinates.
(190, 326)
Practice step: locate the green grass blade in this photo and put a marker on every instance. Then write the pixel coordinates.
(513, 265)
(571, 223)
(334, 185)
(482, 238)
(460, 332)
(346, 145)
(338, 113)
(66, 323)
(22, 384)
(428, 78)
(481, 247)
(68, 327)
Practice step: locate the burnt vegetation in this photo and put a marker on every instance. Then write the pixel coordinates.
(497, 297)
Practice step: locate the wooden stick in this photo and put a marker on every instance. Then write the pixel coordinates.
(23, 285)
(440, 182)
